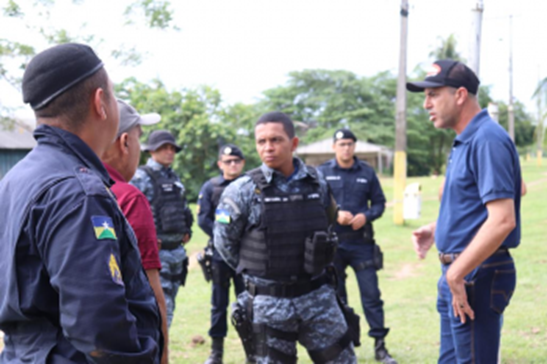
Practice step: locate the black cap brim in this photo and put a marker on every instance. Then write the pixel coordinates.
(422, 85)
(156, 146)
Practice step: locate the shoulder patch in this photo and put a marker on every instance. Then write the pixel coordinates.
(222, 216)
(115, 271)
(104, 228)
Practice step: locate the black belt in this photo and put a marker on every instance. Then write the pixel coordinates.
(449, 258)
(170, 246)
(288, 290)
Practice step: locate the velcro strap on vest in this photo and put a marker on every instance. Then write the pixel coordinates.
(288, 290)
(331, 352)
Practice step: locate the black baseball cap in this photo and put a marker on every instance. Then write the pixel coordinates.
(157, 138)
(52, 72)
(447, 72)
(230, 149)
(344, 134)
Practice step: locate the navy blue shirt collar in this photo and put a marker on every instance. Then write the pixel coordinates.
(471, 128)
(46, 134)
(355, 165)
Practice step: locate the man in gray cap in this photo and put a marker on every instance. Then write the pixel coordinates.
(121, 161)
(67, 296)
(172, 217)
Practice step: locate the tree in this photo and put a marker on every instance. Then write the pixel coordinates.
(36, 17)
(200, 123)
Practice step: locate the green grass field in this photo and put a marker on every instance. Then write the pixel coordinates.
(408, 289)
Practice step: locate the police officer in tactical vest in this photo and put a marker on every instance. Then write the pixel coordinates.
(272, 225)
(361, 200)
(231, 162)
(173, 219)
(73, 289)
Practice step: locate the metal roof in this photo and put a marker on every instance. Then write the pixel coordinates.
(15, 135)
(325, 146)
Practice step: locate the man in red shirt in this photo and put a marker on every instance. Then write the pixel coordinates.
(121, 161)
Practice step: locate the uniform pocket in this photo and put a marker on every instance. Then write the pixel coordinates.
(503, 286)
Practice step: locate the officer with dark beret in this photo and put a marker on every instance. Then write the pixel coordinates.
(73, 288)
(231, 162)
(359, 195)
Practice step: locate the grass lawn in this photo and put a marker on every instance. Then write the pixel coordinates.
(408, 289)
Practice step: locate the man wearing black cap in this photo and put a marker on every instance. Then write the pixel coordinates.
(479, 217)
(231, 162)
(172, 216)
(73, 288)
(121, 161)
(361, 200)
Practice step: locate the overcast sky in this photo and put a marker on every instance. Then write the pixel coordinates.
(243, 47)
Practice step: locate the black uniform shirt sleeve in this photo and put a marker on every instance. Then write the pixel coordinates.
(206, 215)
(84, 265)
(377, 200)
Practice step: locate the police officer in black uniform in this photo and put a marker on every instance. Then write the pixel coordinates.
(231, 162)
(73, 289)
(361, 200)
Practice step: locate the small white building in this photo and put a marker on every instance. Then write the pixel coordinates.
(378, 156)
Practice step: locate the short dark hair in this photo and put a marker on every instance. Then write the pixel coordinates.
(278, 117)
(73, 105)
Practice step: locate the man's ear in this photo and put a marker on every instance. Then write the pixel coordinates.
(99, 103)
(124, 143)
(462, 95)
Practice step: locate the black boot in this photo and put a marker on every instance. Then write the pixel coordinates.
(381, 354)
(217, 349)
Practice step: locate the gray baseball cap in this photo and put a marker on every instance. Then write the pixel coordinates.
(129, 117)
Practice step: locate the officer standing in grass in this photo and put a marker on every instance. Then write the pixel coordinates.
(479, 217)
(361, 200)
(172, 216)
(73, 289)
(231, 162)
(272, 225)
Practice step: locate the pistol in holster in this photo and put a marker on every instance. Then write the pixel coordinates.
(205, 260)
(244, 328)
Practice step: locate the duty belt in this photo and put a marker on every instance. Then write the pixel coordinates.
(449, 258)
(170, 246)
(288, 290)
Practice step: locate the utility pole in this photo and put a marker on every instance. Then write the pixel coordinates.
(510, 107)
(400, 123)
(540, 127)
(475, 44)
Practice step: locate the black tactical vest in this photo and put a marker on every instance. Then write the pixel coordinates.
(167, 204)
(217, 191)
(275, 248)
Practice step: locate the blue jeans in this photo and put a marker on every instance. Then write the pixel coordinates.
(489, 289)
(355, 255)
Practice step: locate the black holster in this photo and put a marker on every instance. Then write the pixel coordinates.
(205, 260)
(319, 252)
(244, 327)
(184, 273)
(378, 257)
(352, 320)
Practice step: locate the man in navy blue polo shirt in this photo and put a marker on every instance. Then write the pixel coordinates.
(361, 200)
(479, 218)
